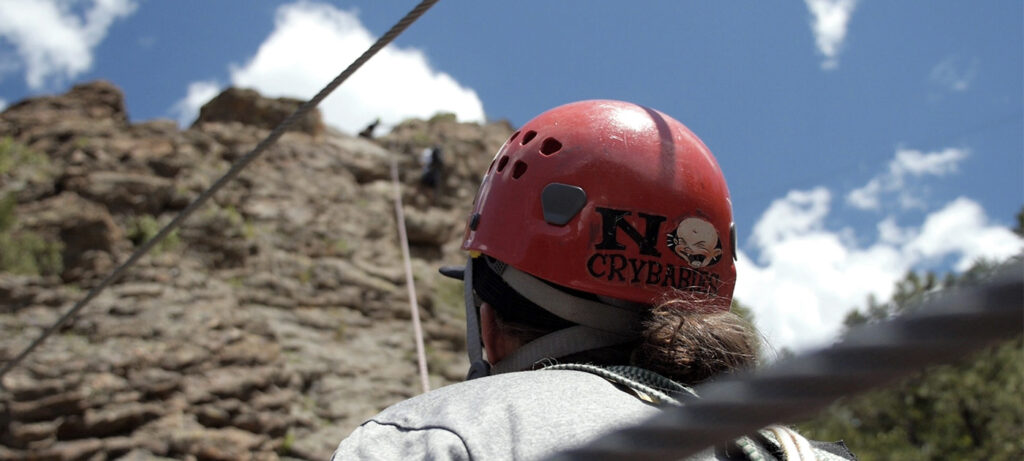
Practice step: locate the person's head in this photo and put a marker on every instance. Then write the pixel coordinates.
(601, 229)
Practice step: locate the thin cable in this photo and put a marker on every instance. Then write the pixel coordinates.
(236, 168)
(413, 305)
(944, 328)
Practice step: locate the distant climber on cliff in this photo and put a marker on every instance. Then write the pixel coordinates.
(368, 131)
(432, 160)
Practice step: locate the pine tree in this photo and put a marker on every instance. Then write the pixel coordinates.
(970, 410)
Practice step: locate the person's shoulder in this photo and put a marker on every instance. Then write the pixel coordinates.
(506, 386)
(529, 393)
(510, 415)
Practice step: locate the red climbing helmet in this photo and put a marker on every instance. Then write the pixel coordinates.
(610, 198)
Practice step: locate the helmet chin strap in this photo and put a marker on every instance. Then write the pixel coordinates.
(478, 367)
(599, 324)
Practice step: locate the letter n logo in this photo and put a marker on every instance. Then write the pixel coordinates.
(613, 220)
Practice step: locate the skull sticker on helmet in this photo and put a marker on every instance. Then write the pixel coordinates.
(696, 241)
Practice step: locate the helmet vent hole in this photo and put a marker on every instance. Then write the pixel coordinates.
(518, 169)
(528, 137)
(550, 146)
(502, 163)
(513, 137)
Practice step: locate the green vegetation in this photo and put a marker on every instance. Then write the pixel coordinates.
(443, 117)
(7, 204)
(340, 247)
(30, 254)
(742, 310)
(237, 281)
(421, 139)
(305, 276)
(14, 155)
(448, 296)
(22, 251)
(969, 410)
(25, 252)
(1019, 230)
(143, 228)
(287, 443)
(228, 222)
(747, 314)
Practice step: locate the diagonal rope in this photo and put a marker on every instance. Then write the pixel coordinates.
(235, 169)
(944, 328)
(413, 306)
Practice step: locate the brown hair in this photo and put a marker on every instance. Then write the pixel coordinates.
(686, 339)
(691, 345)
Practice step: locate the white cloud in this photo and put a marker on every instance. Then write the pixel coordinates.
(52, 40)
(866, 197)
(918, 163)
(831, 18)
(311, 43)
(3, 105)
(800, 213)
(906, 163)
(187, 109)
(961, 228)
(807, 277)
(954, 74)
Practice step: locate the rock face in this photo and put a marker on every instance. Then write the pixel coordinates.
(248, 107)
(269, 326)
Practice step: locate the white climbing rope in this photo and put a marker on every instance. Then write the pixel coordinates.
(413, 305)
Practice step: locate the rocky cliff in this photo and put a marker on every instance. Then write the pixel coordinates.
(269, 326)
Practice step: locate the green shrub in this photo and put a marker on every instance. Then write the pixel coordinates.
(421, 139)
(7, 203)
(30, 254)
(443, 117)
(228, 222)
(287, 443)
(341, 247)
(448, 296)
(143, 228)
(14, 155)
(25, 252)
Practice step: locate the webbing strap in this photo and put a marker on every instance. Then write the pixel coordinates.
(478, 368)
(600, 316)
(558, 344)
(658, 389)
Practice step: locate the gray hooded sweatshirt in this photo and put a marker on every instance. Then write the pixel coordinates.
(514, 416)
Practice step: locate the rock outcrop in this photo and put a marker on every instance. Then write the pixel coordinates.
(268, 326)
(250, 108)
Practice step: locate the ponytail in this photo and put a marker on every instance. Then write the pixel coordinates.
(688, 338)
(691, 345)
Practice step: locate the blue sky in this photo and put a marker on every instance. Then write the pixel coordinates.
(860, 139)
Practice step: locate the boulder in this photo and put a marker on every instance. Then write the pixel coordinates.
(87, 232)
(432, 228)
(94, 101)
(250, 108)
(124, 192)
